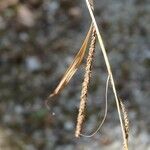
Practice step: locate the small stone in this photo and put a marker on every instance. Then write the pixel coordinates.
(75, 13)
(6, 3)
(53, 113)
(68, 125)
(2, 23)
(18, 109)
(24, 36)
(25, 16)
(7, 118)
(33, 63)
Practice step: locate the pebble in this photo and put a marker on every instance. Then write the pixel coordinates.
(25, 16)
(32, 63)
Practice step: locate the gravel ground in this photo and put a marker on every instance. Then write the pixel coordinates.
(39, 40)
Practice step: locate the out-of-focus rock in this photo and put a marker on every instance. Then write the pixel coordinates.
(6, 3)
(68, 125)
(2, 23)
(75, 14)
(67, 4)
(8, 141)
(32, 63)
(25, 16)
(35, 3)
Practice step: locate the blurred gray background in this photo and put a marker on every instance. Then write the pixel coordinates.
(38, 40)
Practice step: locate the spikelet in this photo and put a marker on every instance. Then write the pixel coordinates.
(126, 120)
(92, 4)
(85, 85)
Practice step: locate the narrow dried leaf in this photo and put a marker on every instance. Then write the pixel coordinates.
(73, 67)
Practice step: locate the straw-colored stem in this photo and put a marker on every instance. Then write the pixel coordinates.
(109, 71)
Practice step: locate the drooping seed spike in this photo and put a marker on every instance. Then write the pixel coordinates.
(85, 85)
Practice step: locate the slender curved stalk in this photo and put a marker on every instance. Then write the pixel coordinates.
(105, 113)
(109, 72)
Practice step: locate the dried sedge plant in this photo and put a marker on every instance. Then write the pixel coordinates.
(73, 68)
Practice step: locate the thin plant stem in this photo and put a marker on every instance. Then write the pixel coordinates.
(105, 114)
(109, 72)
